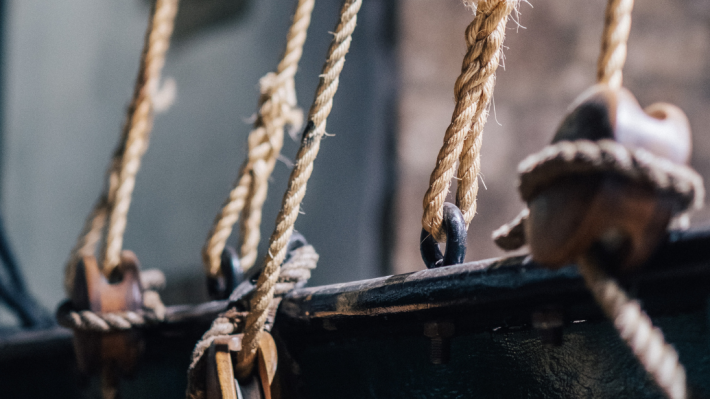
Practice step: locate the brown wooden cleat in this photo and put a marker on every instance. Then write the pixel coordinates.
(614, 173)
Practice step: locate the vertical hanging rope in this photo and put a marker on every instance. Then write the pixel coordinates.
(138, 128)
(463, 138)
(617, 25)
(310, 144)
(636, 329)
(277, 108)
(116, 198)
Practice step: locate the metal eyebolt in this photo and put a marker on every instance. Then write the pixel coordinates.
(231, 275)
(455, 228)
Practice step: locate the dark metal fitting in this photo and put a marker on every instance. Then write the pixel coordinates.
(231, 275)
(439, 334)
(550, 324)
(455, 227)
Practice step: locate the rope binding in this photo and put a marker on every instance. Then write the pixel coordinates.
(602, 195)
(464, 135)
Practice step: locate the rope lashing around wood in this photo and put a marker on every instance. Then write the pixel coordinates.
(617, 25)
(610, 65)
(310, 144)
(463, 138)
(153, 311)
(636, 329)
(294, 273)
(583, 156)
(674, 180)
(277, 108)
(114, 202)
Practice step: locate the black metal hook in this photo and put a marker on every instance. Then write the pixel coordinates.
(455, 228)
(231, 275)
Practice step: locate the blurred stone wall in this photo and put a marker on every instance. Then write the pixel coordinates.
(550, 53)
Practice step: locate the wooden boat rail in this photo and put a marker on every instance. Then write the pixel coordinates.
(497, 297)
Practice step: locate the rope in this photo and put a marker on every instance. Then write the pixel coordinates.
(636, 329)
(153, 310)
(294, 274)
(140, 121)
(116, 198)
(310, 144)
(580, 157)
(463, 138)
(277, 108)
(617, 24)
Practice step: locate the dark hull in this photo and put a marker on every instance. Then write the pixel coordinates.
(365, 339)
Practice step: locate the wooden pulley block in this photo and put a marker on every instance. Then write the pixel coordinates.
(219, 373)
(614, 174)
(115, 353)
(267, 361)
(221, 380)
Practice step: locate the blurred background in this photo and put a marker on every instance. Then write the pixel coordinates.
(67, 75)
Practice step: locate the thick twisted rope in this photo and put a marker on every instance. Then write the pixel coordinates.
(294, 274)
(617, 24)
(132, 145)
(139, 126)
(636, 329)
(566, 158)
(463, 138)
(310, 144)
(277, 108)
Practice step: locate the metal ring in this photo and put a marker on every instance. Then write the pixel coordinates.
(230, 277)
(455, 228)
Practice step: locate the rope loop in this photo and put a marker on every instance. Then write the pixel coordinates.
(277, 109)
(114, 202)
(138, 128)
(463, 138)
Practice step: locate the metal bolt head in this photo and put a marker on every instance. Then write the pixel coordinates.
(439, 329)
(550, 324)
(439, 333)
